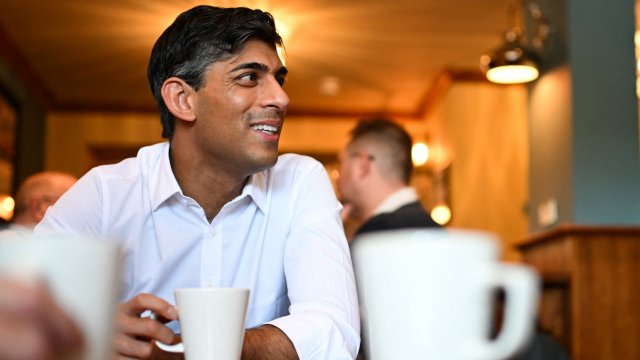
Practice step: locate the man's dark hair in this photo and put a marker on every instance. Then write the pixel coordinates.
(393, 141)
(197, 38)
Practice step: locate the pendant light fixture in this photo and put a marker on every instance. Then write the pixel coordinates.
(518, 59)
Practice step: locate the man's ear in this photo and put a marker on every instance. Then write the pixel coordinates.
(37, 207)
(364, 164)
(176, 95)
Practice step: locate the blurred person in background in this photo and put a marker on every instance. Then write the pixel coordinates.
(375, 172)
(35, 195)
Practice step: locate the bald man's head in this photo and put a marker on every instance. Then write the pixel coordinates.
(36, 193)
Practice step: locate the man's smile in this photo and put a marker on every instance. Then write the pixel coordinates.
(267, 129)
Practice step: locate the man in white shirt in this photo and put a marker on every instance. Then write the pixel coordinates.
(216, 206)
(34, 196)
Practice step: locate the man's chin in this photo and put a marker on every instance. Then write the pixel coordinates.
(266, 163)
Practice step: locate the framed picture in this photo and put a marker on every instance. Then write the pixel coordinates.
(7, 154)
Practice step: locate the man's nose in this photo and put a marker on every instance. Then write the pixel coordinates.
(276, 97)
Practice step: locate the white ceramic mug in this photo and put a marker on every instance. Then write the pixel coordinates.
(83, 276)
(428, 294)
(212, 322)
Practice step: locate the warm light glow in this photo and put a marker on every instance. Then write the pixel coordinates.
(283, 29)
(512, 74)
(439, 155)
(419, 154)
(441, 214)
(7, 205)
(334, 174)
(330, 85)
(281, 55)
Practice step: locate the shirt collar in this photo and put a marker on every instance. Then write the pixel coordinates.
(256, 188)
(167, 185)
(397, 199)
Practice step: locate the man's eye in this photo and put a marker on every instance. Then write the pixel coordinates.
(252, 77)
(281, 81)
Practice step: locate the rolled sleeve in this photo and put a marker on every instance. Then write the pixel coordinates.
(324, 320)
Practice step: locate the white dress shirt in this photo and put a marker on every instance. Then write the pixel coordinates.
(16, 231)
(282, 238)
(396, 200)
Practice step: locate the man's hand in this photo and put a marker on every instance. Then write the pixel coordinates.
(134, 334)
(32, 325)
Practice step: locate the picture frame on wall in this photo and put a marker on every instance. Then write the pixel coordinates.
(8, 128)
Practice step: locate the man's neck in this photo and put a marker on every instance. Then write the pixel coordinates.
(210, 186)
(370, 196)
(24, 222)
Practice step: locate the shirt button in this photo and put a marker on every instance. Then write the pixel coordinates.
(213, 232)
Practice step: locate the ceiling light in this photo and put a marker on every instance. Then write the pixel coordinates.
(518, 60)
(330, 85)
(512, 63)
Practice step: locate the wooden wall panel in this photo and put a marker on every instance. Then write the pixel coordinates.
(591, 289)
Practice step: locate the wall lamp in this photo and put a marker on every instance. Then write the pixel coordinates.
(518, 60)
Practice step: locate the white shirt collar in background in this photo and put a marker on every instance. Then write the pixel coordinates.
(396, 200)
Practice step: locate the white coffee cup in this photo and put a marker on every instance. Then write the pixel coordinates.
(428, 294)
(212, 322)
(83, 276)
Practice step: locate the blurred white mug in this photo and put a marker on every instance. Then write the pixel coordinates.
(83, 276)
(428, 294)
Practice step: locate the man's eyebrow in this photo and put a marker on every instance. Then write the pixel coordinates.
(283, 71)
(251, 65)
(259, 67)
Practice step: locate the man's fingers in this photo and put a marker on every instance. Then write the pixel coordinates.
(143, 328)
(135, 333)
(143, 302)
(33, 325)
(129, 347)
(20, 339)
(63, 329)
(26, 338)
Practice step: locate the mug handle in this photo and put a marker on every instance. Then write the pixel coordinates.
(521, 286)
(172, 348)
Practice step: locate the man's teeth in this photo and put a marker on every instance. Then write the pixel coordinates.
(265, 128)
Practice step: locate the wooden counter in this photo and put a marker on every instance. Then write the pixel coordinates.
(591, 289)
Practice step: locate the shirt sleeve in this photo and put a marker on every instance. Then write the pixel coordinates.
(324, 321)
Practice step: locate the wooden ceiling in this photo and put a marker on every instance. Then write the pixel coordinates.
(371, 56)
